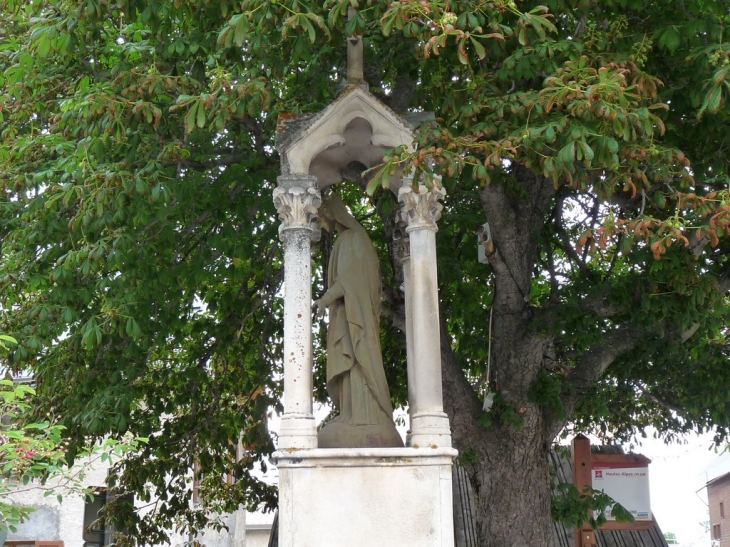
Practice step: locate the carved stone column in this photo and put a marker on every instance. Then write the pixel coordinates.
(402, 243)
(297, 200)
(429, 422)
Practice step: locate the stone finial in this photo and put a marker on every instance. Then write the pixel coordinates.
(297, 205)
(421, 208)
(355, 63)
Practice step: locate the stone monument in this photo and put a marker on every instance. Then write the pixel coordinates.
(355, 485)
(355, 377)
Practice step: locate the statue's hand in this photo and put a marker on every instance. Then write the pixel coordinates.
(321, 306)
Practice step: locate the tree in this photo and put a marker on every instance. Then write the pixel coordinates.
(140, 263)
(29, 451)
(32, 455)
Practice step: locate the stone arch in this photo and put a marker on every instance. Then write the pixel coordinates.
(308, 142)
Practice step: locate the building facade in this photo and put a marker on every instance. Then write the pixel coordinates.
(74, 522)
(718, 498)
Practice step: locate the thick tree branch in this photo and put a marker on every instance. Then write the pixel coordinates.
(253, 125)
(723, 285)
(597, 359)
(217, 162)
(598, 304)
(697, 243)
(564, 240)
(657, 401)
(513, 217)
(594, 363)
(402, 94)
(395, 311)
(724, 282)
(554, 285)
(370, 73)
(461, 402)
(398, 320)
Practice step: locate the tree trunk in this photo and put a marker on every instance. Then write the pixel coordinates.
(507, 462)
(507, 465)
(513, 492)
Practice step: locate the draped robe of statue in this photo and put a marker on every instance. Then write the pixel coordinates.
(356, 380)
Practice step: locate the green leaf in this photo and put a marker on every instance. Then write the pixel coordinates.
(200, 119)
(479, 48)
(586, 152)
(388, 24)
(241, 29)
(550, 134)
(191, 117)
(712, 101)
(669, 38)
(567, 153)
(43, 45)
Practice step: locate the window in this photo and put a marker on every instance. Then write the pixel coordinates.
(722, 510)
(93, 533)
(96, 531)
(716, 531)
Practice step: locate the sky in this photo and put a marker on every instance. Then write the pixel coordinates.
(677, 475)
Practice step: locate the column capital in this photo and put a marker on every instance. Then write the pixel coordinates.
(297, 200)
(421, 208)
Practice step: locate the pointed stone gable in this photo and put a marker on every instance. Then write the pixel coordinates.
(355, 127)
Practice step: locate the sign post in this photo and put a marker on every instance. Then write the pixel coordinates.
(624, 477)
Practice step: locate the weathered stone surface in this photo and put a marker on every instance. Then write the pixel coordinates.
(297, 199)
(376, 126)
(332, 497)
(421, 208)
(366, 498)
(44, 524)
(429, 423)
(355, 377)
(342, 435)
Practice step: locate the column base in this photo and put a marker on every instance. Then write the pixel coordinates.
(297, 431)
(430, 429)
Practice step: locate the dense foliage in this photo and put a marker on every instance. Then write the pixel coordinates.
(32, 454)
(140, 267)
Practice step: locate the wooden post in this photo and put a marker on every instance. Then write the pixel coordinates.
(581, 479)
(587, 538)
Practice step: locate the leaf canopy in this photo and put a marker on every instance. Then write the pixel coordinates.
(140, 268)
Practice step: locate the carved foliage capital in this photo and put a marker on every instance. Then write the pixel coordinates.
(421, 208)
(297, 208)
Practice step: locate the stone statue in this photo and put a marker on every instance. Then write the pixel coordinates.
(355, 377)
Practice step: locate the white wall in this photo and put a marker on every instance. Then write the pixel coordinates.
(54, 521)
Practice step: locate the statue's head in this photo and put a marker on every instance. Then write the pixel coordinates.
(333, 215)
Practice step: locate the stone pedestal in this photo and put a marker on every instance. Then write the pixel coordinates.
(387, 497)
